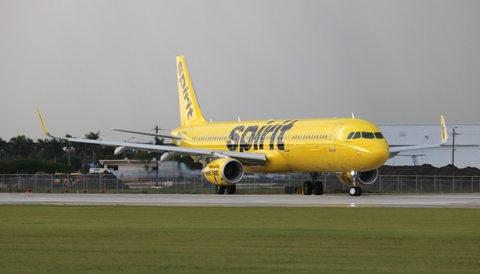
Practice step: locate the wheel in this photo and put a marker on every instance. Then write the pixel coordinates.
(355, 191)
(231, 189)
(318, 188)
(219, 189)
(307, 188)
(352, 191)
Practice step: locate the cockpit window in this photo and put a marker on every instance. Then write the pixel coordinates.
(378, 135)
(365, 135)
(368, 135)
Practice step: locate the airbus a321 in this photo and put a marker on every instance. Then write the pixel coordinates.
(352, 148)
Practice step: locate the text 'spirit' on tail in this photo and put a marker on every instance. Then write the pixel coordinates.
(444, 130)
(190, 113)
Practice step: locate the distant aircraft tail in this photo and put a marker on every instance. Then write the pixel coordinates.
(190, 112)
(444, 130)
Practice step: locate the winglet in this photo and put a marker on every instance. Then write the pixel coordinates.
(444, 130)
(45, 131)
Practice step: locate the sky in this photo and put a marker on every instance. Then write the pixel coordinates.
(94, 65)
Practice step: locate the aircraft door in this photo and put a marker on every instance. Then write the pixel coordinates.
(332, 138)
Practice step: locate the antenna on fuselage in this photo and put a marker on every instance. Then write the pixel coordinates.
(353, 116)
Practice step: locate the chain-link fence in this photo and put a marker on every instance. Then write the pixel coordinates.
(250, 184)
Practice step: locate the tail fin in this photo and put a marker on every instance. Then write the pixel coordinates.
(190, 113)
(444, 130)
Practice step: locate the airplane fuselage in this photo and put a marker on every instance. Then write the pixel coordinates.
(295, 145)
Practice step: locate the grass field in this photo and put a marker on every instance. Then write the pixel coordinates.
(124, 239)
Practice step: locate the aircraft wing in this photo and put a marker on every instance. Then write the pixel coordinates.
(394, 150)
(256, 159)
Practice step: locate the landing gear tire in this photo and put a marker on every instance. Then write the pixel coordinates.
(307, 188)
(231, 189)
(219, 189)
(318, 188)
(355, 191)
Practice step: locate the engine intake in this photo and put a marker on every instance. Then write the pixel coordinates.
(223, 171)
(364, 177)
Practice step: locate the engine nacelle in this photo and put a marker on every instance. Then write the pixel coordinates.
(223, 171)
(364, 178)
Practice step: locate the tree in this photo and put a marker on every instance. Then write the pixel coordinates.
(3, 147)
(41, 148)
(54, 148)
(21, 146)
(86, 148)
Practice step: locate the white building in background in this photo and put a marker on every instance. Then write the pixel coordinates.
(467, 144)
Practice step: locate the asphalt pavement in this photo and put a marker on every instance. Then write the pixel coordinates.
(328, 200)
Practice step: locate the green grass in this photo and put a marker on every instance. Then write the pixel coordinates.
(125, 239)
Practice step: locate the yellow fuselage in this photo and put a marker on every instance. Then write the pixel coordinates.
(303, 145)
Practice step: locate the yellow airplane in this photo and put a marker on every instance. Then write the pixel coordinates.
(353, 148)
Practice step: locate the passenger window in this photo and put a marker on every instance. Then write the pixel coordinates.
(368, 135)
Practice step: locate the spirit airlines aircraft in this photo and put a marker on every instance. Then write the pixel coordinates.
(351, 147)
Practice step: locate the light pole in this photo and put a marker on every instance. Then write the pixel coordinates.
(453, 145)
(156, 157)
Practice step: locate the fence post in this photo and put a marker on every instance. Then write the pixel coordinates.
(416, 182)
(399, 186)
(453, 184)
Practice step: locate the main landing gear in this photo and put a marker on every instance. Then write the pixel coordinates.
(231, 189)
(316, 187)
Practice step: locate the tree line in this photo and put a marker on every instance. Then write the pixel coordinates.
(22, 154)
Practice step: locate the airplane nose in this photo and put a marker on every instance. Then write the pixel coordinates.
(377, 155)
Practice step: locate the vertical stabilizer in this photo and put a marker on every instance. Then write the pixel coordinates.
(444, 130)
(190, 113)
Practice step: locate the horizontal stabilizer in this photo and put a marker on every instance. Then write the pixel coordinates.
(148, 134)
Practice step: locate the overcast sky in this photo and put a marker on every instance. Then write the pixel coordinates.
(94, 65)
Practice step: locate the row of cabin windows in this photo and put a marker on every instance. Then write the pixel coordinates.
(216, 138)
(351, 135)
(294, 137)
(211, 138)
(365, 135)
(309, 137)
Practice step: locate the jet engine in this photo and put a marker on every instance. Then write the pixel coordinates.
(363, 178)
(223, 171)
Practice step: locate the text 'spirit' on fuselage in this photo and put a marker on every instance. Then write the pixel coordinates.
(244, 138)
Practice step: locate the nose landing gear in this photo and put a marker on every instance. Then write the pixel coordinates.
(355, 190)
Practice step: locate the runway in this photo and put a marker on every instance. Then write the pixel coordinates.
(332, 200)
